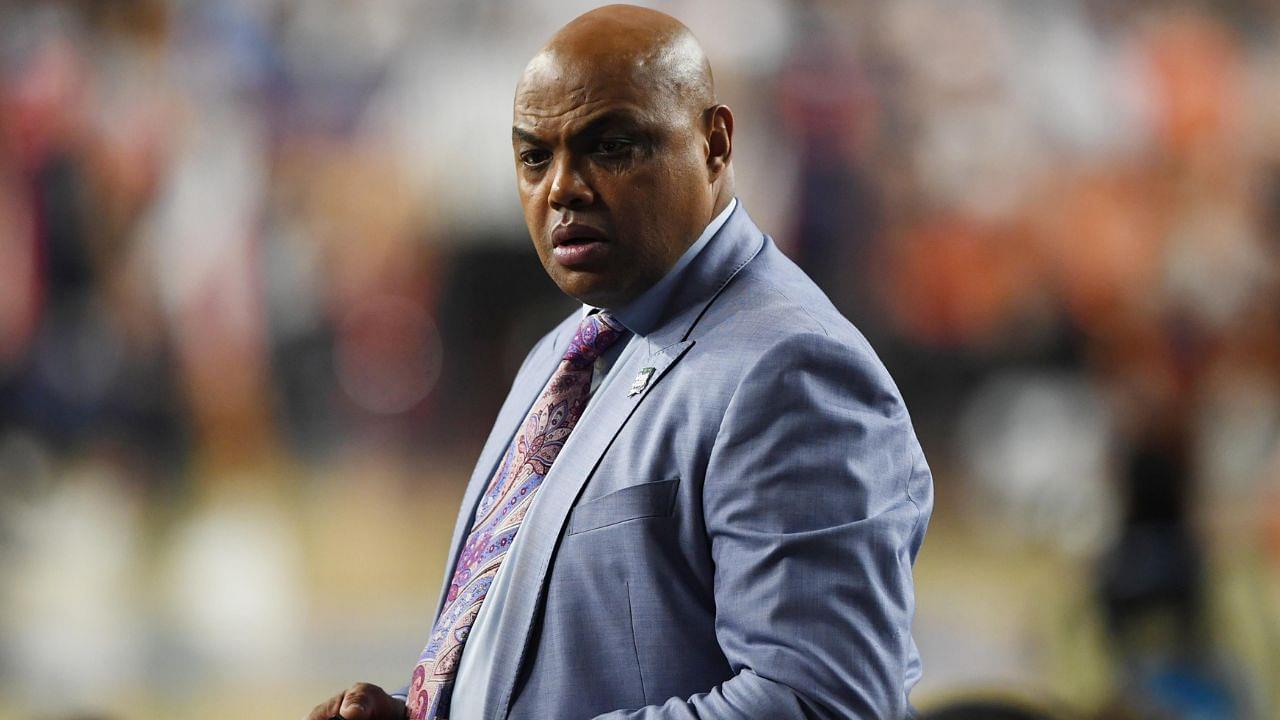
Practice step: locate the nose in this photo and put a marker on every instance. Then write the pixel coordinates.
(568, 188)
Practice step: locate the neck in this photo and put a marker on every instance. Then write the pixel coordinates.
(723, 194)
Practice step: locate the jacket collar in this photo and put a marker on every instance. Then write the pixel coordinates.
(688, 291)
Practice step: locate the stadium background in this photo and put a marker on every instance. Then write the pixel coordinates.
(263, 284)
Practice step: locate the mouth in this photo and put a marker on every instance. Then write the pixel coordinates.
(576, 246)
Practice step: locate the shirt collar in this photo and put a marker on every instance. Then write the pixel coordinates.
(640, 315)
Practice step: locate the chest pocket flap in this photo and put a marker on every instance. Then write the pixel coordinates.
(651, 499)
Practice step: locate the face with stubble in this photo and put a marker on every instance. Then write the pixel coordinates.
(619, 166)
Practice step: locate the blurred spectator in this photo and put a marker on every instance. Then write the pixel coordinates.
(235, 239)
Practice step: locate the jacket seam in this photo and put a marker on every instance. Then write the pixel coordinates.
(915, 528)
(635, 645)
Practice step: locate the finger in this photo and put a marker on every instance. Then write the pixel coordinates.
(356, 704)
(327, 709)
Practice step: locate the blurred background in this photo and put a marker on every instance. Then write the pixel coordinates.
(264, 283)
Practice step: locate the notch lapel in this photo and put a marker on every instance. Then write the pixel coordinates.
(541, 529)
(525, 389)
(729, 251)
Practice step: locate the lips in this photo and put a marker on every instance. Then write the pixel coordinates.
(576, 246)
(575, 233)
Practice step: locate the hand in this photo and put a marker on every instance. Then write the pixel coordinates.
(361, 702)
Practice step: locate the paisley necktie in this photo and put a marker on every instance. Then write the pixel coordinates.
(502, 508)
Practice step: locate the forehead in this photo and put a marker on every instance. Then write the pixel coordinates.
(555, 92)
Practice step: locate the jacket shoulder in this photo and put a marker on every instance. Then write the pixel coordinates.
(771, 303)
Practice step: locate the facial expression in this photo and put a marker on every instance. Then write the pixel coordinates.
(612, 175)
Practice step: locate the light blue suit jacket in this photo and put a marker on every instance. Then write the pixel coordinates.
(736, 539)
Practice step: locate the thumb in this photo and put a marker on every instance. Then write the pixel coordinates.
(354, 707)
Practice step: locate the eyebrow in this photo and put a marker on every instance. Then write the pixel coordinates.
(613, 117)
(524, 136)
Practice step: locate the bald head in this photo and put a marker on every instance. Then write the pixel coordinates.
(622, 153)
(630, 44)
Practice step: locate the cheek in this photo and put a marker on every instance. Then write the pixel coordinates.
(633, 196)
(529, 193)
(657, 198)
(535, 212)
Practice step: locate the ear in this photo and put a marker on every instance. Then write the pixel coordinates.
(719, 143)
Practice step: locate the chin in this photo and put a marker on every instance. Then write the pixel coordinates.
(594, 298)
(581, 286)
(592, 294)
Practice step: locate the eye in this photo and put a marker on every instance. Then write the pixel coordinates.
(613, 147)
(534, 158)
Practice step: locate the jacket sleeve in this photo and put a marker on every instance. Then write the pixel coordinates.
(816, 498)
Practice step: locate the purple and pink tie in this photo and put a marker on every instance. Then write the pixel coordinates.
(498, 516)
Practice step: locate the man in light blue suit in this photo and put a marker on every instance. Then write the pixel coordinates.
(727, 525)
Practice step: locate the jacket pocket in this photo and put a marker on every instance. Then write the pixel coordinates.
(651, 499)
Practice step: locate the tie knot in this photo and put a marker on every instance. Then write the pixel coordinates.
(595, 334)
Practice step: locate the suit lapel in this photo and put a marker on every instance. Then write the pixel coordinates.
(540, 531)
(528, 383)
(729, 251)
